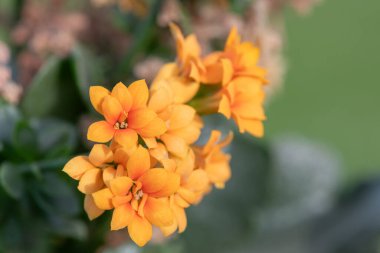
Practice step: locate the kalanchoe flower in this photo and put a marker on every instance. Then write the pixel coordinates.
(138, 194)
(126, 114)
(183, 76)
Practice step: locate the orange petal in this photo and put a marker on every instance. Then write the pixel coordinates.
(211, 143)
(169, 230)
(233, 39)
(171, 186)
(140, 94)
(77, 166)
(122, 94)
(254, 127)
(150, 142)
(140, 118)
(189, 134)
(91, 181)
(228, 71)
(126, 137)
(155, 128)
(184, 89)
(122, 216)
(158, 212)
(103, 199)
(219, 172)
(160, 98)
(91, 209)
(121, 185)
(100, 154)
(111, 109)
(154, 180)
(197, 181)
(109, 173)
(182, 115)
(140, 230)
(180, 216)
(100, 131)
(225, 107)
(175, 145)
(121, 200)
(97, 94)
(138, 163)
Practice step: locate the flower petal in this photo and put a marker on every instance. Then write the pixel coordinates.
(91, 181)
(126, 137)
(109, 173)
(182, 115)
(100, 154)
(140, 118)
(103, 199)
(97, 94)
(111, 109)
(91, 209)
(197, 181)
(120, 186)
(171, 186)
(122, 216)
(154, 180)
(155, 128)
(225, 107)
(122, 94)
(138, 163)
(228, 71)
(158, 212)
(77, 166)
(140, 230)
(140, 94)
(175, 145)
(181, 218)
(100, 131)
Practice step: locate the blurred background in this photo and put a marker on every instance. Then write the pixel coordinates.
(311, 185)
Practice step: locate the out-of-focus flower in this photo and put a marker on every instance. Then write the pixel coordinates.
(148, 68)
(138, 7)
(9, 90)
(126, 114)
(170, 12)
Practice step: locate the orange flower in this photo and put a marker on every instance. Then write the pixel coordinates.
(126, 114)
(139, 196)
(90, 171)
(183, 124)
(213, 161)
(241, 93)
(184, 75)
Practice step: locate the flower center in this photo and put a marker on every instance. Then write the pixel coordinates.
(120, 125)
(138, 195)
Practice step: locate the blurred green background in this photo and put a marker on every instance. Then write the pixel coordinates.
(332, 87)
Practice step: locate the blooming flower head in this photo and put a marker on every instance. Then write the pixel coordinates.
(184, 75)
(241, 81)
(182, 122)
(138, 196)
(126, 114)
(213, 160)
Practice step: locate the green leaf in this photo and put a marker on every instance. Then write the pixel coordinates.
(87, 70)
(25, 141)
(11, 180)
(55, 138)
(53, 92)
(9, 116)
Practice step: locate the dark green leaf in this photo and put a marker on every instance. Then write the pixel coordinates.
(56, 138)
(25, 141)
(9, 116)
(53, 92)
(11, 180)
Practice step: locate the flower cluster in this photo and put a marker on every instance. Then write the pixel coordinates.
(146, 166)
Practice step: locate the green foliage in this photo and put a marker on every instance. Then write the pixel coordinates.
(36, 203)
